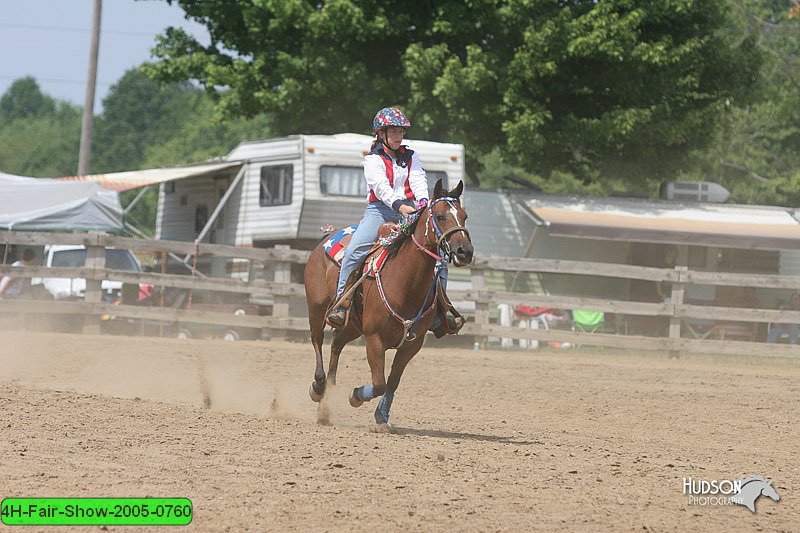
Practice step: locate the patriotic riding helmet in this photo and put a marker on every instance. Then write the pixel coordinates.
(389, 116)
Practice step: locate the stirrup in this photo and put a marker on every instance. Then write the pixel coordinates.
(440, 330)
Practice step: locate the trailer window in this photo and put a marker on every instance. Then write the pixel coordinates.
(349, 181)
(200, 218)
(342, 181)
(276, 185)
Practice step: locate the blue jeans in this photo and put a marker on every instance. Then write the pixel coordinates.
(364, 237)
(777, 330)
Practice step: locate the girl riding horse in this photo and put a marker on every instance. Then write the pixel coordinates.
(397, 185)
(395, 301)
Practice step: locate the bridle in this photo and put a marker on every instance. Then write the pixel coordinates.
(442, 245)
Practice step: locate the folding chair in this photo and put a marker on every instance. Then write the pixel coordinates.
(588, 320)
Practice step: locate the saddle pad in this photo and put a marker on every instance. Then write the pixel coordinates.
(336, 243)
(375, 262)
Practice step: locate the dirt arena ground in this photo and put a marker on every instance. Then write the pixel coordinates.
(562, 440)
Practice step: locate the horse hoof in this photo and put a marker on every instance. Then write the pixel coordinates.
(385, 427)
(316, 396)
(354, 401)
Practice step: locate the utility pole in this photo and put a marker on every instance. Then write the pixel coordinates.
(88, 105)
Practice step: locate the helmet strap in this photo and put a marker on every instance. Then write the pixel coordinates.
(383, 140)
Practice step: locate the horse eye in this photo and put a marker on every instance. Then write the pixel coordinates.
(440, 218)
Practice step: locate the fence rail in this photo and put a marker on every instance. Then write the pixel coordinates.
(285, 295)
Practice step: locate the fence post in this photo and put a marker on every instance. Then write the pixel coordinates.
(280, 305)
(95, 259)
(481, 308)
(676, 299)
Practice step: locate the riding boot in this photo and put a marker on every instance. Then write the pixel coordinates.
(438, 328)
(337, 317)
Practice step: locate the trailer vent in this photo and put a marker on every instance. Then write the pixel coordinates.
(694, 191)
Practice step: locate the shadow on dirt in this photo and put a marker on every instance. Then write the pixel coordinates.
(465, 436)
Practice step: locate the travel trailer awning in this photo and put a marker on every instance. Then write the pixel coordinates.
(726, 226)
(123, 181)
(41, 204)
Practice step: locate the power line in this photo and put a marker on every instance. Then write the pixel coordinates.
(74, 30)
(52, 80)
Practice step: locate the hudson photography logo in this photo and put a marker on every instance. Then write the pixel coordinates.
(744, 491)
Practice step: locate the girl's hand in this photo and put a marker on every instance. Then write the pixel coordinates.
(406, 210)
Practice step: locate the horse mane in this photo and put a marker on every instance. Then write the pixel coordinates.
(748, 479)
(393, 248)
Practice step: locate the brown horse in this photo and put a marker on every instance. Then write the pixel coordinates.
(402, 293)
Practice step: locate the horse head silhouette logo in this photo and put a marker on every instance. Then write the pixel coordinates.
(752, 488)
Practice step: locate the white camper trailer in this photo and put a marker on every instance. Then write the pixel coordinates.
(284, 190)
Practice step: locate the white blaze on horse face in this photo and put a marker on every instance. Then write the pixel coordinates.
(454, 212)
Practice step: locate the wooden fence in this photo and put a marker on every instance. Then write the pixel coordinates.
(284, 294)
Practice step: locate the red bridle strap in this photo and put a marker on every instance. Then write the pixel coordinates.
(416, 242)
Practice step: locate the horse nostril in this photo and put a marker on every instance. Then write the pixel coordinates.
(464, 254)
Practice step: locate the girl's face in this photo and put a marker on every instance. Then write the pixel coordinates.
(394, 136)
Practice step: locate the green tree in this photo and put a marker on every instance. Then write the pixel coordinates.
(202, 136)
(756, 155)
(137, 113)
(24, 99)
(589, 89)
(39, 136)
(146, 124)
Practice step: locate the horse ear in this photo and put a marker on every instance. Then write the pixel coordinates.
(456, 193)
(438, 189)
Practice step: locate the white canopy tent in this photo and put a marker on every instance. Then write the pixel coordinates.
(134, 179)
(83, 203)
(42, 204)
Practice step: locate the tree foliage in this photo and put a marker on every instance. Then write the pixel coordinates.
(24, 99)
(143, 125)
(756, 154)
(595, 89)
(38, 136)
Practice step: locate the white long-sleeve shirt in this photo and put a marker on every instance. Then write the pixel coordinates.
(410, 182)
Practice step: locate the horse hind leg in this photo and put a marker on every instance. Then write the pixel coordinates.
(317, 389)
(323, 407)
(340, 339)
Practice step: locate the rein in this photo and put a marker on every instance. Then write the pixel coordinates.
(423, 249)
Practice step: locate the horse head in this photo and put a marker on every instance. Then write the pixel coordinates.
(751, 488)
(769, 491)
(446, 219)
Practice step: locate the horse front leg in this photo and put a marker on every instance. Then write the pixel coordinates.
(401, 359)
(376, 357)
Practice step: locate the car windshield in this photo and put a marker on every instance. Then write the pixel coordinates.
(121, 260)
(69, 258)
(115, 259)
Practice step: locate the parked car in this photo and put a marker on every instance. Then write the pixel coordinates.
(74, 256)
